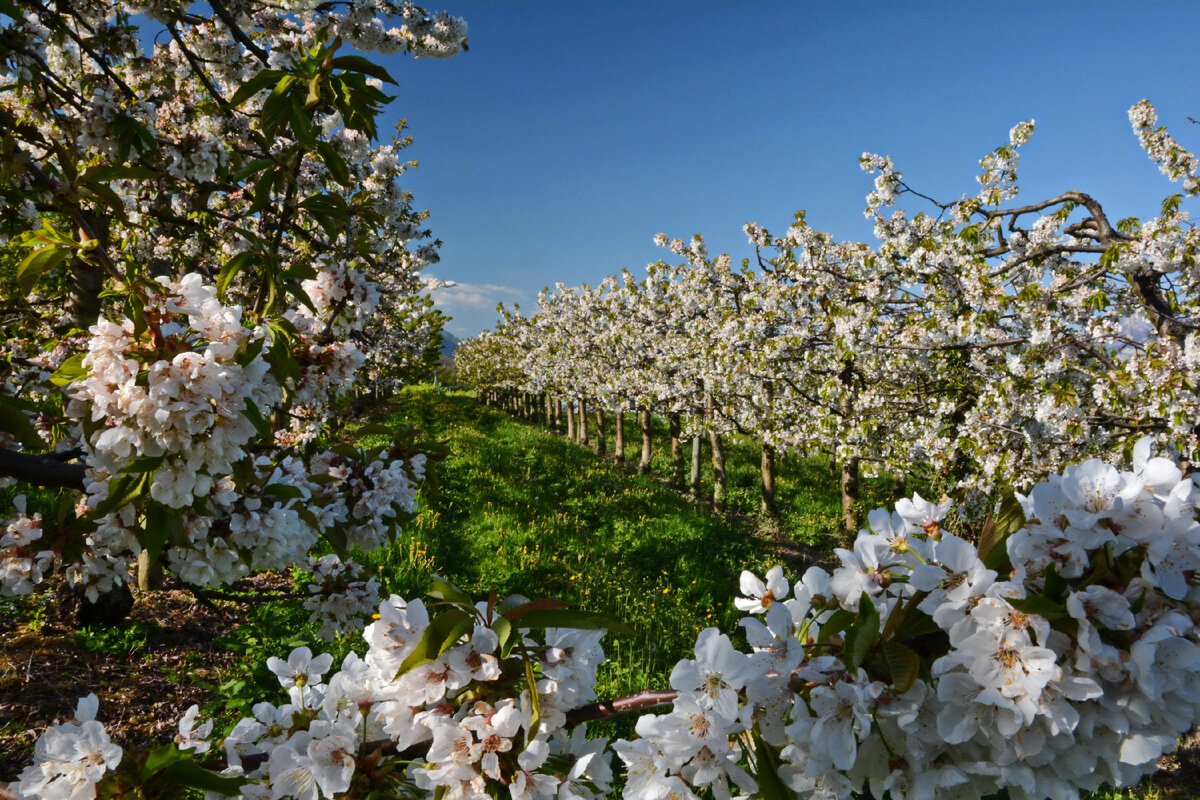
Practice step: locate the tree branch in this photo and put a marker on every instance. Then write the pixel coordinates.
(41, 470)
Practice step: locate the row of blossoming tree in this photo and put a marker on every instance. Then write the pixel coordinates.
(980, 340)
(201, 235)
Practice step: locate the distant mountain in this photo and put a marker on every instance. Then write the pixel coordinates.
(449, 344)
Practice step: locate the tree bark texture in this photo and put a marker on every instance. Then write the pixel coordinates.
(601, 442)
(676, 450)
(718, 454)
(619, 434)
(647, 442)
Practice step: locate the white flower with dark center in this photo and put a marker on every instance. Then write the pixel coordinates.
(301, 668)
(759, 595)
(715, 677)
(190, 737)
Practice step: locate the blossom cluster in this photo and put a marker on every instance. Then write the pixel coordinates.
(340, 598)
(71, 758)
(916, 668)
(181, 392)
(466, 709)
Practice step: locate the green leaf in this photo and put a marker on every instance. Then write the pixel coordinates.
(338, 170)
(431, 640)
(262, 191)
(69, 371)
(257, 165)
(263, 80)
(162, 525)
(373, 428)
(503, 629)
(904, 665)
(838, 621)
(1039, 606)
(284, 365)
(160, 758)
(231, 269)
(571, 618)
(143, 464)
(363, 65)
(14, 421)
(282, 491)
(441, 589)
(514, 613)
(770, 785)
(275, 112)
(123, 490)
(38, 263)
(301, 124)
(256, 418)
(189, 773)
(1007, 520)
(535, 706)
(456, 633)
(861, 636)
(1054, 585)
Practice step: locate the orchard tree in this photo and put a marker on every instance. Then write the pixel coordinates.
(203, 220)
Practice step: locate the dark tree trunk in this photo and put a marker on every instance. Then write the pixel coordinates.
(619, 434)
(647, 443)
(849, 496)
(849, 480)
(769, 510)
(601, 442)
(676, 450)
(583, 423)
(694, 478)
(718, 454)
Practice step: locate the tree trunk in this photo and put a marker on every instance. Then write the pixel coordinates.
(718, 454)
(556, 407)
(601, 442)
(900, 486)
(547, 404)
(694, 482)
(86, 281)
(149, 571)
(647, 443)
(768, 510)
(583, 423)
(676, 450)
(619, 434)
(849, 464)
(849, 496)
(571, 419)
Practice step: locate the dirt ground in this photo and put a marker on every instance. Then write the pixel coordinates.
(45, 668)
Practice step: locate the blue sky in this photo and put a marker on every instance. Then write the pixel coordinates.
(574, 131)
